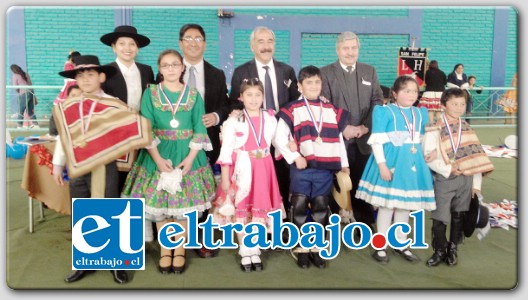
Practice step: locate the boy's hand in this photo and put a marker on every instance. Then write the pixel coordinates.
(385, 173)
(346, 170)
(429, 157)
(455, 169)
(300, 163)
(57, 174)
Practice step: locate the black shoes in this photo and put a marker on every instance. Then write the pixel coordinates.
(120, 276)
(452, 257)
(206, 253)
(407, 254)
(317, 260)
(382, 259)
(303, 260)
(77, 275)
(166, 269)
(179, 269)
(438, 257)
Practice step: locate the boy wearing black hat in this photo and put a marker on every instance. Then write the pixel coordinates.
(128, 84)
(90, 75)
(455, 155)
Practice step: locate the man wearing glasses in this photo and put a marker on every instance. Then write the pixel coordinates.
(211, 83)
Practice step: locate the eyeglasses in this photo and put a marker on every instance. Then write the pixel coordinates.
(189, 39)
(168, 66)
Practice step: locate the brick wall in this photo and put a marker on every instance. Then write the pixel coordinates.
(453, 35)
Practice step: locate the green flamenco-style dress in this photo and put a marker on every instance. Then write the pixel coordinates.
(198, 186)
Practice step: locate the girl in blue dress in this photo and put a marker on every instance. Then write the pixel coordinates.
(396, 178)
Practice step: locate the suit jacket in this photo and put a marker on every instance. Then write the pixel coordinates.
(116, 85)
(360, 107)
(215, 100)
(286, 81)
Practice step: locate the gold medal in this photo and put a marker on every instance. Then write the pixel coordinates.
(318, 140)
(258, 155)
(83, 144)
(413, 149)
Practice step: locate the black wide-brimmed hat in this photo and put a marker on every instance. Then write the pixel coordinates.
(125, 31)
(88, 62)
(476, 217)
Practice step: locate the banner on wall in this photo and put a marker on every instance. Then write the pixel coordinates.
(412, 62)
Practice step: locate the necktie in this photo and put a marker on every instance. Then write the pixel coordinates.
(191, 82)
(350, 69)
(268, 90)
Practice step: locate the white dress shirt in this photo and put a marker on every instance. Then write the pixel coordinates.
(262, 75)
(133, 83)
(198, 76)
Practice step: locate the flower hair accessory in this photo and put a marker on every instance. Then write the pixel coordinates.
(251, 80)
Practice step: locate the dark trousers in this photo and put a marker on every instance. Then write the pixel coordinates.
(363, 211)
(25, 101)
(81, 187)
(282, 170)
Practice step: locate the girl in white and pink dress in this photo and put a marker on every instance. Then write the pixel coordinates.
(249, 187)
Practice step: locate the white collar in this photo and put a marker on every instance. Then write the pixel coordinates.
(123, 67)
(261, 65)
(199, 66)
(345, 66)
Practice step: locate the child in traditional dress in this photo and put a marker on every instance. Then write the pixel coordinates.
(458, 164)
(173, 175)
(249, 187)
(316, 127)
(396, 178)
(89, 75)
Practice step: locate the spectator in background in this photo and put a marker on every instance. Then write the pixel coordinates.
(69, 64)
(459, 79)
(435, 82)
(68, 82)
(472, 80)
(508, 102)
(26, 97)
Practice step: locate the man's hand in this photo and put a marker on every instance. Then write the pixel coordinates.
(362, 130)
(209, 120)
(352, 132)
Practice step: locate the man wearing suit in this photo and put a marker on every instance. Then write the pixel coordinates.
(211, 83)
(281, 89)
(354, 86)
(129, 82)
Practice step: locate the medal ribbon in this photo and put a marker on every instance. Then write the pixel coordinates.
(318, 127)
(409, 128)
(174, 108)
(261, 129)
(451, 139)
(84, 127)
